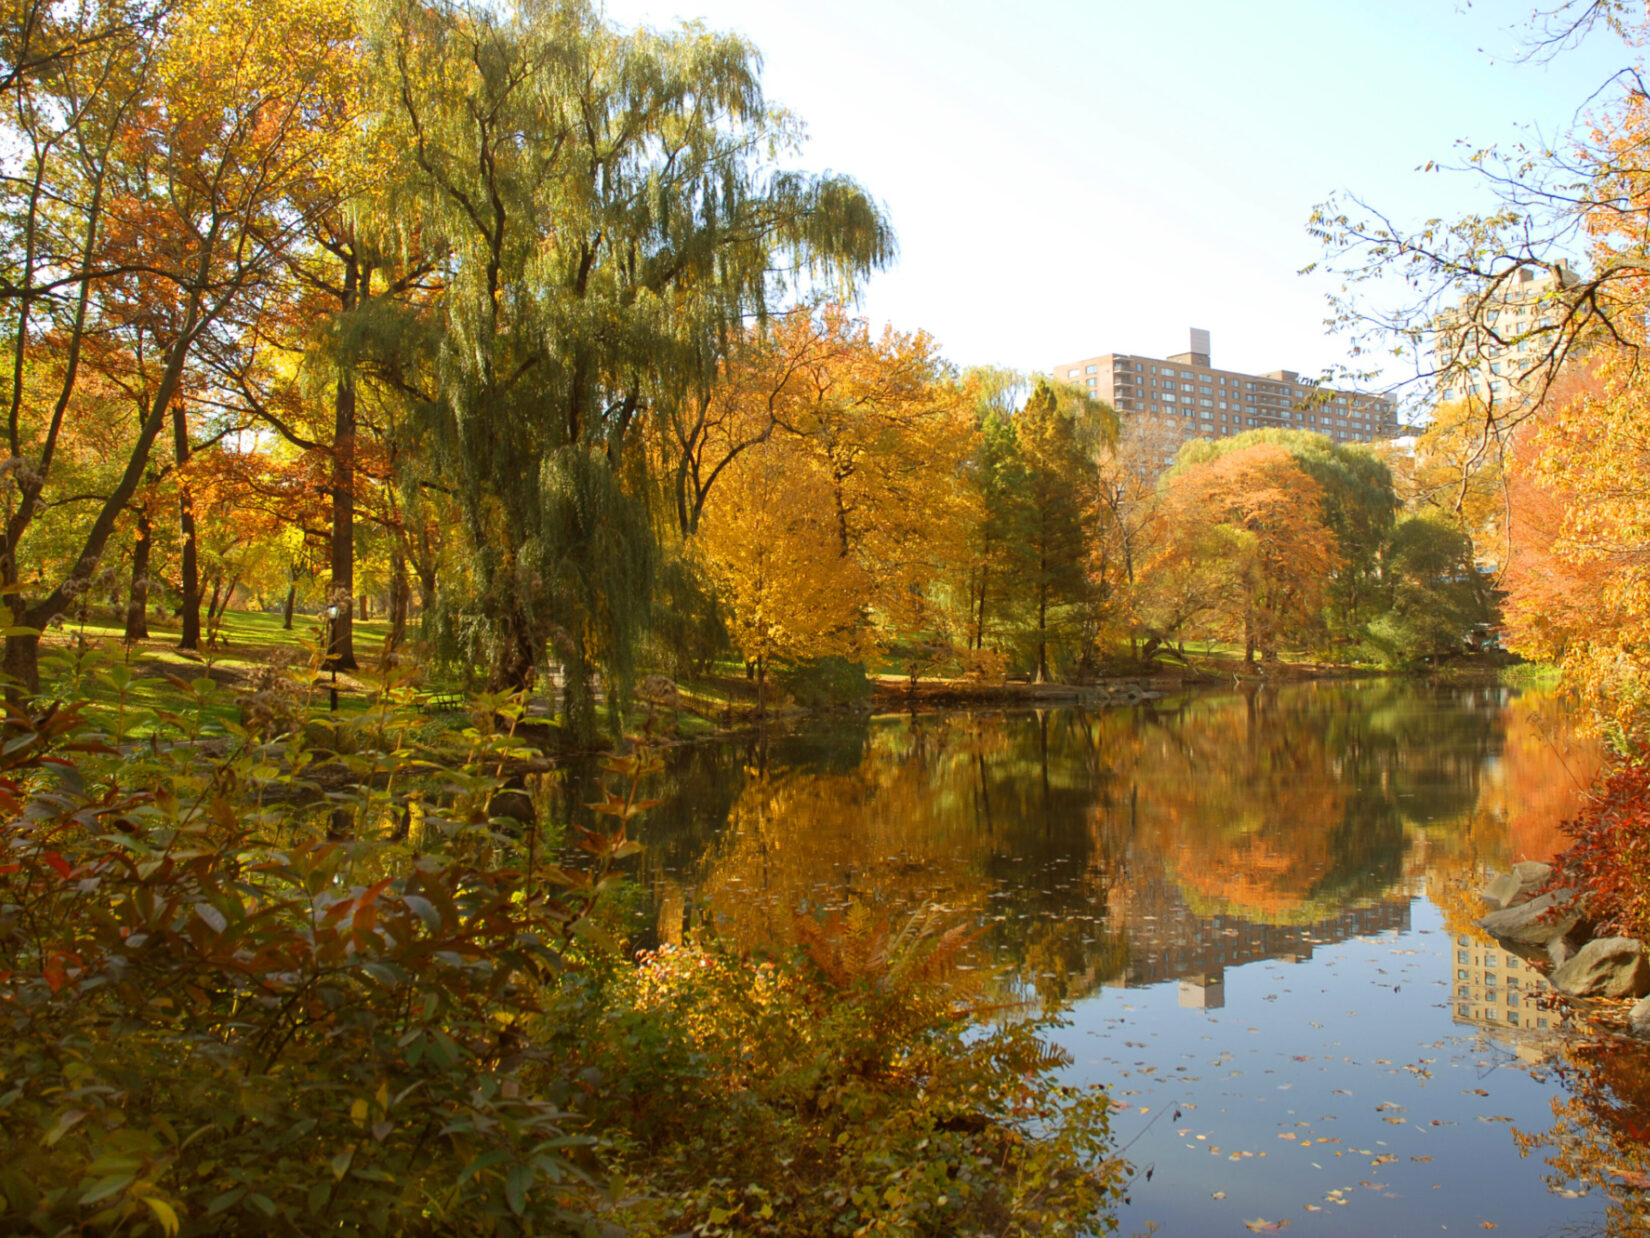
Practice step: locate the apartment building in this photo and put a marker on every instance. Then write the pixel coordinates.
(1190, 398)
(1497, 991)
(1491, 347)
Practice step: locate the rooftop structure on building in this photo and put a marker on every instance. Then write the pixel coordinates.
(1188, 397)
(1493, 346)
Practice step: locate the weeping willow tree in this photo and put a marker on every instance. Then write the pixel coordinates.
(610, 208)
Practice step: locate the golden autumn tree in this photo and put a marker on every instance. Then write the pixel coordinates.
(1583, 514)
(772, 546)
(154, 178)
(1554, 590)
(1253, 519)
(818, 484)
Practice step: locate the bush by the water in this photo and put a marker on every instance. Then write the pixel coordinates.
(1609, 852)
(240, 996)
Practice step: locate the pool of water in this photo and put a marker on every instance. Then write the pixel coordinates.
(1258, 908)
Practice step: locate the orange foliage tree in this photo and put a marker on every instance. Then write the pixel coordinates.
(157, 175)
(1263, 577)
(817, 484)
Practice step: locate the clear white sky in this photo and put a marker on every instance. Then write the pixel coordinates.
(1070, 177)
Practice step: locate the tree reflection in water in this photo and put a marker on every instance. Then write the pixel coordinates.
(1131, 845)
(1600, 1137)
(1167, 842)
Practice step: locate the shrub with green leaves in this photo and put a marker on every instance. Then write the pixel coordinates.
(249, 986)
(851, 1090)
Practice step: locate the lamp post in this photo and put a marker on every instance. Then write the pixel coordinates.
(332, 612)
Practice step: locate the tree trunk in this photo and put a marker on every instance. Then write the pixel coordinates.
(137, 608)
(1042, 635)
(289, 606)
(399, 598)
(426, 589)
(212, 603)
(979, 628)
(517, 658)
(217, 610)
(366, 606)
(190, 584)
(341, 639)
(22, 667)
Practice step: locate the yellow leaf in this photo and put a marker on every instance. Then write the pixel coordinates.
(164, 1213)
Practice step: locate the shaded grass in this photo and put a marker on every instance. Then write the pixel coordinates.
(129, 686)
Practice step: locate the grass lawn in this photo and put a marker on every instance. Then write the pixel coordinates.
(93, 662)
(126, 687)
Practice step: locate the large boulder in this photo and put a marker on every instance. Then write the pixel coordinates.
(1560, 950)
(1536, 921)
(1605, 967)
(1638, 1019)
(1518, 886)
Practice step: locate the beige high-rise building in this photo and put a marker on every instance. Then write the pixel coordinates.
(1189, 398)
(1492, 346)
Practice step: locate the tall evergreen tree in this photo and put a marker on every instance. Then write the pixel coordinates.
(1056, 517)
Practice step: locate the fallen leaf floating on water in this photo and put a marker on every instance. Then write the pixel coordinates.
(1218, 1195)
(1259, 1224)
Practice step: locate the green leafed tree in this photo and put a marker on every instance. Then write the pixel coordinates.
(612, 209)
(1436, 594)
(1358, 504)
(1056, 436)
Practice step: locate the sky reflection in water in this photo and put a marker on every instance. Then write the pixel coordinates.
(1259, 906)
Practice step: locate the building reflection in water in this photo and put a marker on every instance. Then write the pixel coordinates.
(1498, 991)
(1204, 991)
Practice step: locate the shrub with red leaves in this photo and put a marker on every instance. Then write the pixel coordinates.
(1610, 851)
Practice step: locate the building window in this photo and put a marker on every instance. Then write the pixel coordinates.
(1091, 369)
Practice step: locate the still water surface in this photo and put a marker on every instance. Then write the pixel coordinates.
(1259, 908)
